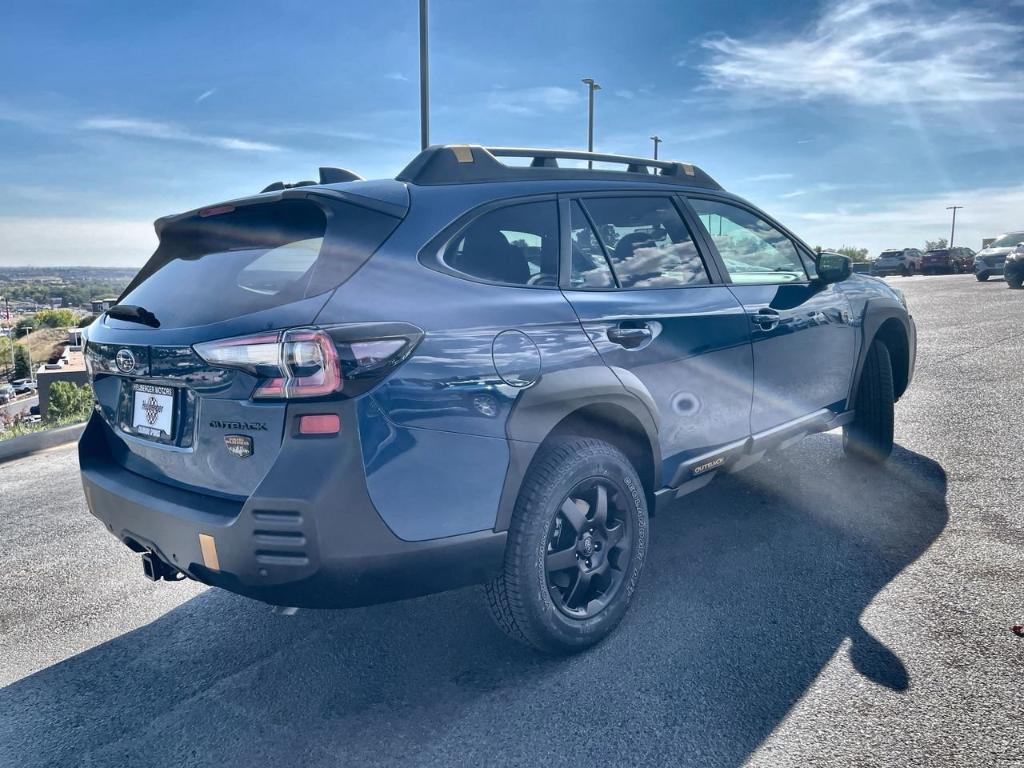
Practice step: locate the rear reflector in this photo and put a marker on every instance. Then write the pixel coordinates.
(320, 424)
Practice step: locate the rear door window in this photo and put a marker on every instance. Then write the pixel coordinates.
(647, 242)
(253, 258)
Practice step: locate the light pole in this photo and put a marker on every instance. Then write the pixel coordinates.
(592, 86)
(424, 80)
(952, 231)
(657, 141)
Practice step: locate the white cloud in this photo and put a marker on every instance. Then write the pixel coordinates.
(397, 76)
(909, 221)
(149, 129)
(532, 101)
(205, 95)
(769, 177)
(78, 241)
(879, 52)
(819, 188)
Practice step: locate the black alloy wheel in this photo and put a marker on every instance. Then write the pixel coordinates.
(589, 549)
(577, 542)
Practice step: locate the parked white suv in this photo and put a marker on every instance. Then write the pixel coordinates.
(904, 261)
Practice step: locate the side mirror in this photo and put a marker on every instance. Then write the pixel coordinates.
(832, 267)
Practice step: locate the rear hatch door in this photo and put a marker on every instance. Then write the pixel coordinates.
(233, 270)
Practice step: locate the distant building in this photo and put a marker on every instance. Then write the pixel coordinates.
(70, 367)
(102, 305)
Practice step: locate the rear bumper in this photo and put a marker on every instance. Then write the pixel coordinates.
(888, 269)
(308, 537)
(988, 269)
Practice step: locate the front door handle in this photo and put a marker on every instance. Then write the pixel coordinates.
(629, 337)
(766, 318)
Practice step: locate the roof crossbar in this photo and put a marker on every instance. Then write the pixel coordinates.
(466, 163)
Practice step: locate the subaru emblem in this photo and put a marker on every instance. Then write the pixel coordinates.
(125, 360)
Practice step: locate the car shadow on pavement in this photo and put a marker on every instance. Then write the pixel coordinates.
(751, 587)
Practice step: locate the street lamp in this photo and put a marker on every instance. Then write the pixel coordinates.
(952, 231)
(657, 141)
(424, 80)
(592, 86)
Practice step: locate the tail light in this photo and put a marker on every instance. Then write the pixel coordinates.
(315, 362)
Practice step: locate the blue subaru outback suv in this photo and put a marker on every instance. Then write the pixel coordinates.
(484, 371)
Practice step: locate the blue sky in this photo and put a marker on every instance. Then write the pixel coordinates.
(853, 121)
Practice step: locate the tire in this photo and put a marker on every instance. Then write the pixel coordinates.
(905, 271)
(982, 277)
(869, 436)
(538, 607)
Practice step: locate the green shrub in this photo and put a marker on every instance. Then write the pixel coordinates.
(68, 402)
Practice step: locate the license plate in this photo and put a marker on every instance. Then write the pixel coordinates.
(153, 410)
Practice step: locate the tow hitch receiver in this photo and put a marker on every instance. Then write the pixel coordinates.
(155, 569)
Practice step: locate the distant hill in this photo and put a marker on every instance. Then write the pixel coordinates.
(72, 286)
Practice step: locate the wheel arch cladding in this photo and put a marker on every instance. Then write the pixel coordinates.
(889, 326)
(613, 415)
(614, 425)
(892, 333)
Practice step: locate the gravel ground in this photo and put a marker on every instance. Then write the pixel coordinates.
(805, 612)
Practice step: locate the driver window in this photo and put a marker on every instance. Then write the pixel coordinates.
(754, 252)
(515, 245)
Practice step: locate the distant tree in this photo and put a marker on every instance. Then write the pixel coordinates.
(54, 318)
(854, 253)
(936, 245)
(22, 364)
(69, 402)
(5, 354)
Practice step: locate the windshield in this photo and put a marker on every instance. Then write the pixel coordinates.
(890, 254)
(937, 253)
(1008, 240)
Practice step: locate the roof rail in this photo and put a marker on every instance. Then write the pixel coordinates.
(468, 163)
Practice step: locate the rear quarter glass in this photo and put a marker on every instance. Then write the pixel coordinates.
(255, 257)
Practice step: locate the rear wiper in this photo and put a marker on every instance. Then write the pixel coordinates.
(133, 314)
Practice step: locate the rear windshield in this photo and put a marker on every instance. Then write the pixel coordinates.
(937, 253)
(890, 254)
(253, 258)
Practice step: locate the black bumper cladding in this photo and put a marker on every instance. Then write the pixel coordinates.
(308, 537)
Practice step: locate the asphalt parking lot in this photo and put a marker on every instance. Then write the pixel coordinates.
(806, 612)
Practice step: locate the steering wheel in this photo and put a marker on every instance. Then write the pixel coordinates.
(542, 279)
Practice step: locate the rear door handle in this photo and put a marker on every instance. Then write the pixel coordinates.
(629, 337)
(766, 318)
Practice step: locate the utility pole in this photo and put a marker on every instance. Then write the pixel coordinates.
(952, 231)
(424, 80)
(592, 86)
(657, 141)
